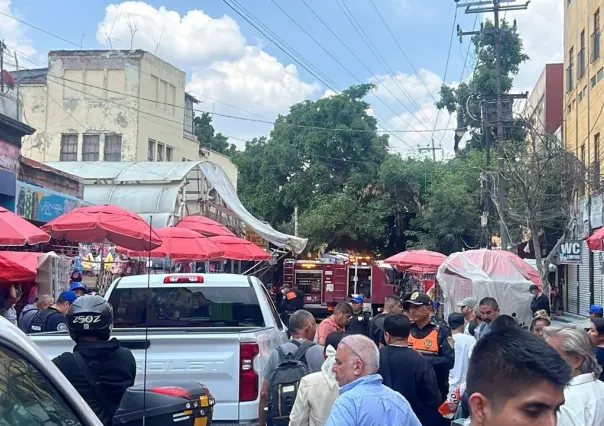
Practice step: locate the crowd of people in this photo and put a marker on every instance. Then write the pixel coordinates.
(405, 366)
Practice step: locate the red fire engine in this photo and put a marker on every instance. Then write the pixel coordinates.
(326, 282)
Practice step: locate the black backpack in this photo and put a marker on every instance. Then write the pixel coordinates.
(284, 381)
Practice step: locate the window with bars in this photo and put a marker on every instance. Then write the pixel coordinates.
(151, 150)
(160, 151)
(169, 151)
(69, 147)
(113, 147)
(91, 147)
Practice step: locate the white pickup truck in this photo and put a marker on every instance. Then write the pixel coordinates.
(218, 329)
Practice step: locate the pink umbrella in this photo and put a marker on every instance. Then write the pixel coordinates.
(16, 231)
(97, 224)
(417, 258)
(596, 240)
(528, 270)
(205, 226)
(180, 244)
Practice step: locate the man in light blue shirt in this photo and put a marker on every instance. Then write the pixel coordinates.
(364, 400)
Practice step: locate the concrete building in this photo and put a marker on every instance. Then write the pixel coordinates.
(583, 125)
(111, 105)
(544, 105)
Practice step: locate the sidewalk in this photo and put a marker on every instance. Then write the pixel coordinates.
(568, 318)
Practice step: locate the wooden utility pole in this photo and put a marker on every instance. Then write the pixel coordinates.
(496, 6)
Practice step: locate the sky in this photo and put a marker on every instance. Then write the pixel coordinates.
(407, 48)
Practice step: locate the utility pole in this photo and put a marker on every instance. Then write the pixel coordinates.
(2, 47)
(431, 148)
(496, 6)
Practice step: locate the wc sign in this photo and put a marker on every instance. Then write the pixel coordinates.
(569, 252)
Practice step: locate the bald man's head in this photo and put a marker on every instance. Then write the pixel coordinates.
(357, 356)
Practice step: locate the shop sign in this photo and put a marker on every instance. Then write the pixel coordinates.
(569, 252)
(41, 204)
(255, 238)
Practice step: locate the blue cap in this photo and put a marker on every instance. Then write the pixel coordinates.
(70, 296)
(357, 298)
(595, 309)
(78, 286)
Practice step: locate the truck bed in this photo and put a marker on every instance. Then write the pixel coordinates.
(209, 355)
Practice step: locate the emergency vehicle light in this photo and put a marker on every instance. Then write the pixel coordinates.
(307, 265)
(198, 279)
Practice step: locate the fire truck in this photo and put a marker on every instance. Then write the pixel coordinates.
(327, 281)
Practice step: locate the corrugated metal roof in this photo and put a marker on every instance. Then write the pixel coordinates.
(31, 76)
(123, 171)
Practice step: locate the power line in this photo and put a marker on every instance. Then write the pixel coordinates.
(406, 142)
(274, 123)
(40, 29)
(367, 41)
(401, 49)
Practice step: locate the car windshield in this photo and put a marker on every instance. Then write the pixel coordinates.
(186, 307)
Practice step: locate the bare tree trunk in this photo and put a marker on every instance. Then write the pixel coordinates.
(541, 267)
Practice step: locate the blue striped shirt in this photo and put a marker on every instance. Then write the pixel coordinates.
(367, 402)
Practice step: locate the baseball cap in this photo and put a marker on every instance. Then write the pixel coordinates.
(419, 299)
(470, 302)
(456, 320)
(69, 296)
(78, 286)
(595, 309)
(357, 298)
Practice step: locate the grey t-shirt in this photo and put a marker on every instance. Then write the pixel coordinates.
(314, 358)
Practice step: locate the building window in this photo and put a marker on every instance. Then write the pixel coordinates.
(160, 151)
(593, 81)
(169, 151)
(69, 147)
(568, 108)
(570, 70)
(595, 37)
(91, 147)
(581, 57)
(113, 147)
(582, 158)
(600, 74)
(151, 150)
(580, 97)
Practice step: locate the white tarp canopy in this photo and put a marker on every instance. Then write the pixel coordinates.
(154, 189)
(485, 273)
(219, 181)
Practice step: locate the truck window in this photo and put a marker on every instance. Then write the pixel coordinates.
(272, 307)
(28, 398)
(186, 307)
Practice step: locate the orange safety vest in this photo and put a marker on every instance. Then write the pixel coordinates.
(427, 345)
(291, 295)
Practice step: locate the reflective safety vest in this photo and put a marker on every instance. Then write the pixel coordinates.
(39, 322)
(427, 345)
(291, 295)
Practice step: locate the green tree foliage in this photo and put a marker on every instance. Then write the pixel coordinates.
(463, 98)
(208, 138)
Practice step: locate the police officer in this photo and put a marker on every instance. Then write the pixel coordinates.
(359, 323)
(98, 368)
(432, 340)
(53, 318)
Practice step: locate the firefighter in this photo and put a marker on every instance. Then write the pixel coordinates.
(292, 301)
(432, 340)
(359, 323)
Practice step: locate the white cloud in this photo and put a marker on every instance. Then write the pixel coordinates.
(541, 28)
(13, 34)
(220, 63)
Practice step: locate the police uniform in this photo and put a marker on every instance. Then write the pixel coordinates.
(47, 320)
(435, 342)
(359, 324)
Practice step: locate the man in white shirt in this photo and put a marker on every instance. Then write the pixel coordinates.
(584, 395)
(464, 345)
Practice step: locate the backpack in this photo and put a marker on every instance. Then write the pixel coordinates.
(284, 381)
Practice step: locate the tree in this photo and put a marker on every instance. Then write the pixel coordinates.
(542, 185)
(450, 217)
(482, 84)
(208, 138)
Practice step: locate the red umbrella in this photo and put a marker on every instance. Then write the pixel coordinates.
(180, 244)
(595, 241)
(236, 248)
(205, 226)
(18, 266)
(418, 258)
(97, 224)
(16, 231)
